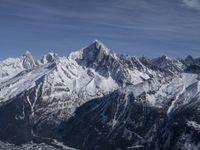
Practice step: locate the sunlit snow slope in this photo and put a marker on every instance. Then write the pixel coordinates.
(97, 99)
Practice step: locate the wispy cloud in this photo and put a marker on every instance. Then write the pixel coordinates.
(195, 4)
(150, 24)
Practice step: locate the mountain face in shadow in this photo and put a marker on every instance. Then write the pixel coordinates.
(97, 99)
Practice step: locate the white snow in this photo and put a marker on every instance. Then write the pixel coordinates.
(194, 124)
(66, 84)
(21, 83)
(62, 145)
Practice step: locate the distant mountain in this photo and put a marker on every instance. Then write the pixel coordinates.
(97, 99)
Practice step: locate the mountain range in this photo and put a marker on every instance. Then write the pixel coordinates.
(96, 99)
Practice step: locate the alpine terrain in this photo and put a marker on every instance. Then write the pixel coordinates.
(96, 99)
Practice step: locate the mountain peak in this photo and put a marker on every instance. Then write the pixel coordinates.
(97, 41)
(95, 52)
(28, 61)
(98, 46)
(90, 53)
(50, 57)
(27, 54)
(165, 57)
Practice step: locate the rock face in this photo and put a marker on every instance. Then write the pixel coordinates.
(123, 120)
(97, 99)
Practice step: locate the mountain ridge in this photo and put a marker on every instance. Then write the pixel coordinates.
(50, 96)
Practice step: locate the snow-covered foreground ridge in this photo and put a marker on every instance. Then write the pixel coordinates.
(89, 73)
(44, 93)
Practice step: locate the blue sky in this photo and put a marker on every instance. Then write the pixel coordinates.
(135, 27)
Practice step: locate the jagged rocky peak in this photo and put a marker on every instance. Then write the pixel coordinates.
(100, 47)
(95, 52)
(162, 61)
(169, 64)
(50, 57)
(165, 58)
(103, 96)
(13, 66)
(28, 60)
(28, 54)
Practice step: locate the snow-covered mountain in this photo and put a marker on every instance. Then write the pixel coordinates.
(13, 66)
(97, 99)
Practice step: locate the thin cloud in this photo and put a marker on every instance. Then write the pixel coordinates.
(195, 4)
(146, 23)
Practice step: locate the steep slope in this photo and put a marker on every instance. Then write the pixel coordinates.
(137, 117)
(12, 66)
(169, 64)
(42, 96)
(97, 99)
(32, 146)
